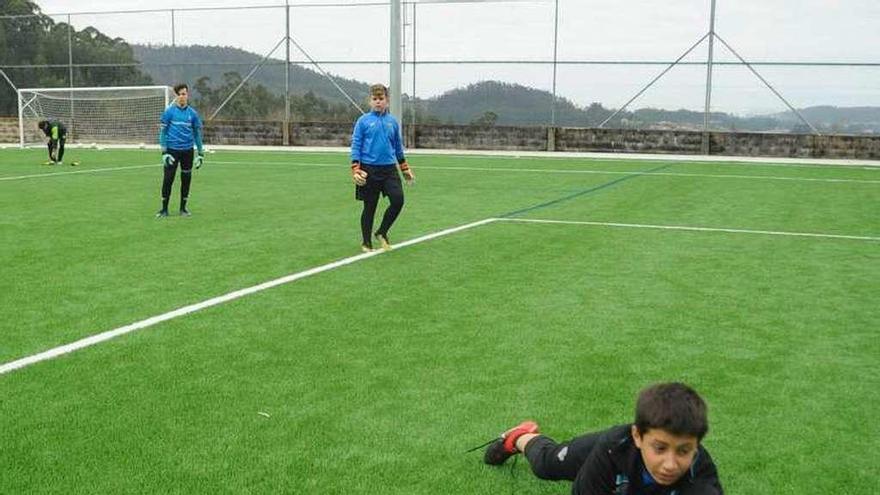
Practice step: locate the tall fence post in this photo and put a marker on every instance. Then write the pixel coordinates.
(706, 146)
(394, 56)
(555, 58)
(174, 50)
(72, 122)
(286, 130)
(412, 141)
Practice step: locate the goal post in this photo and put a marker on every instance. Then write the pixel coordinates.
(108, 115)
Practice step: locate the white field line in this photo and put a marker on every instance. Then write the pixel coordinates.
(231, 296)
(474, 169)
(694, 229)
(659, 174)
(565, 155)
(563, 171)
(482, 154)
(72, 172)
(732, 161)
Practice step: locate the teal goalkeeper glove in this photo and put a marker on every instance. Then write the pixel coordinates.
(167, 159)
(199, 159)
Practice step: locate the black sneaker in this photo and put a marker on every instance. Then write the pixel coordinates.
(502, 449)
(383, 240)
(162, 214)
(495, 454)
(185, 213)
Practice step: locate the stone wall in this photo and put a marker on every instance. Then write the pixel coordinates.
(796, 145)
(648, 141)
(270, 133)
(628, 141)
(9, 130)
(743, 144)
(240, 132)
(481, 138)
(848, 147)
(320, 134)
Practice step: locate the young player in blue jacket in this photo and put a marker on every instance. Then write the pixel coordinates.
(180, 130)
(376, 153)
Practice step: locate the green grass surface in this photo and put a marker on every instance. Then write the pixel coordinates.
(378, 375)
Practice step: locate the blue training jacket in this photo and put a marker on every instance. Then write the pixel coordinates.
(181, 128)
(376, 140)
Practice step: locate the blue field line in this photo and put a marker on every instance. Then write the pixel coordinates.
(585, 191)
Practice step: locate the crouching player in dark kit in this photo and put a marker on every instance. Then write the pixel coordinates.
(57, 134)
(180, 130)
(660, 453)
(376, 152)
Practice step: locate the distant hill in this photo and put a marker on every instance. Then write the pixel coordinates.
(512, 103)
(826, 113)
(486, 102)
(164, 64)
(854, 120)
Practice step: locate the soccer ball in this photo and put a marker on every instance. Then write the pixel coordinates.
(94, 146)
(143, 146)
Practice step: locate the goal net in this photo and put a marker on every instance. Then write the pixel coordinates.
(123, 115)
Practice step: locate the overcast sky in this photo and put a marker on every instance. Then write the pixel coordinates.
(589, 30)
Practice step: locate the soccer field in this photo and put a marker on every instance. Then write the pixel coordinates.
(575, 283)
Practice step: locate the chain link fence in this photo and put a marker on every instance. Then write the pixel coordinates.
(566, 63)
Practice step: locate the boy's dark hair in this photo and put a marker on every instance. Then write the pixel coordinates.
(673, 407)
(43, 124)
(178, 87)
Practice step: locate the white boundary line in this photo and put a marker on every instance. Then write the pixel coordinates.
(648, 174)
(72, 172)
(231, 296)
(694, 229)
(610, 156)
(139, 325)
(478, 169)
(565, 171)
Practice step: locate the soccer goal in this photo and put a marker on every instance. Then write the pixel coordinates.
(121, 115)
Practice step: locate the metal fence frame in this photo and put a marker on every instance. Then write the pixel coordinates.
(398, 22)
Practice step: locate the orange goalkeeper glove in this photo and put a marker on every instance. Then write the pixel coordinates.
(358, 176)
(407, 172)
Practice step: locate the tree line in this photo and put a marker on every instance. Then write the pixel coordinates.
(256, 102)
(34, 39)
(34, 54)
